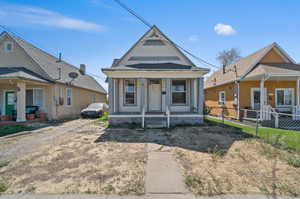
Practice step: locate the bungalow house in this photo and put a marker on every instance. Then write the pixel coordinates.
(155, 85)
(30, 77)
(268, 78)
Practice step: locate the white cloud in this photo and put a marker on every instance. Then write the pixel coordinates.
(20, 15)
(194, 38)
(223, 29)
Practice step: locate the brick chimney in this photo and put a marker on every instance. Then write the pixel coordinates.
(82, 69)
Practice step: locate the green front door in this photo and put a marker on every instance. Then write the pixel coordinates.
(10, 97)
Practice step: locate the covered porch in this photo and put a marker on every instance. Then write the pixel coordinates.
(274, 95)
(144, 100)
(24, 101)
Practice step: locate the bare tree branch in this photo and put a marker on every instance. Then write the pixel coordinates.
(229, 56)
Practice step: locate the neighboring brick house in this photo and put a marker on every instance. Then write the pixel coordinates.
(269, 75)
(30, 76)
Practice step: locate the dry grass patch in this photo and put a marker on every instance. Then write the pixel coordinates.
(249, 166)
(76, 163)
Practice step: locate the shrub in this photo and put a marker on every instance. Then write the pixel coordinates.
(104, 117)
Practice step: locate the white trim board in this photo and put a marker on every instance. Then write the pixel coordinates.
(149, 116)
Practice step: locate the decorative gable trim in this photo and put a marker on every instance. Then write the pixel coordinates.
(156, 36)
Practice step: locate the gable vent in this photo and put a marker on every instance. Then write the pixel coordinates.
(154, 43)
(156, 58)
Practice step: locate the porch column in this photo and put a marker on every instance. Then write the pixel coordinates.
(200, 95)
(298, 91)
(116, 95)
(21, 103)
(168, 92)
(143, 95)
(110, 95)
(262, 97)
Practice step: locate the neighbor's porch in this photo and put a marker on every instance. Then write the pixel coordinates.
(280, 97)
(23, 101)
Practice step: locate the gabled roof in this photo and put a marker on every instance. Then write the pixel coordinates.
(50, 66)
(241, 68)
(148, 56)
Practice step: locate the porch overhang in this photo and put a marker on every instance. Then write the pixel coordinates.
(274, 76)
(154, 73)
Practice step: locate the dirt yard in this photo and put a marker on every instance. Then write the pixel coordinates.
(233, 166)
(78, 162)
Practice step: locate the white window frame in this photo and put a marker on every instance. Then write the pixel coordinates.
(252, 96)
(134, 92)
(71, 96)
(276, 100)
(33, 96)
(222, 101)
(94, 98)
(5, 46)
(185, 91)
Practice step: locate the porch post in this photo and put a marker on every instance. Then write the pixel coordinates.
(110, 95)
(262, 97)
(200, 95)
(298, 91)
(143, 83)
(168, 92)
(21, 103)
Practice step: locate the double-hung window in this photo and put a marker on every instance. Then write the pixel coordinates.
(129, 92)
(69, 96)
(284, 97)
(179, 92)
(222, 97)
(35, 97)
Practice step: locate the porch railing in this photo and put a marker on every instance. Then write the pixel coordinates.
(143, 117)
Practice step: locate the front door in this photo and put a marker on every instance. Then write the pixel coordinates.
(10, 97)
(255, 98)
(154, 96)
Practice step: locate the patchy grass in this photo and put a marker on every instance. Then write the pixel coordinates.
(10, 129)
(4, 163)
(286, 139)
(293, 160)
(79, 163)
(248, 166)
(3, 186)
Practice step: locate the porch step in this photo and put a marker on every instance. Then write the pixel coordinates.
(156, 123)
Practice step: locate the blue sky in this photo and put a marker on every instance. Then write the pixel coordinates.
(95, 32)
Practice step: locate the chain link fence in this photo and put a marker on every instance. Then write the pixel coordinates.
(269, 117)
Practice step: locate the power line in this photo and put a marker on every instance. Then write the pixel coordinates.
(145, 22)
(133, 13)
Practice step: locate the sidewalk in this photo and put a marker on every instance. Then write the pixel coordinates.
(163, 176)
(150, 196)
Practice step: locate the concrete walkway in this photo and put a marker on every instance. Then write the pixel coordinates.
(163, 175)
(29, 143)
(149, 196)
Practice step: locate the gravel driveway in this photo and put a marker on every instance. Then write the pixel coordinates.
(14, 147)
